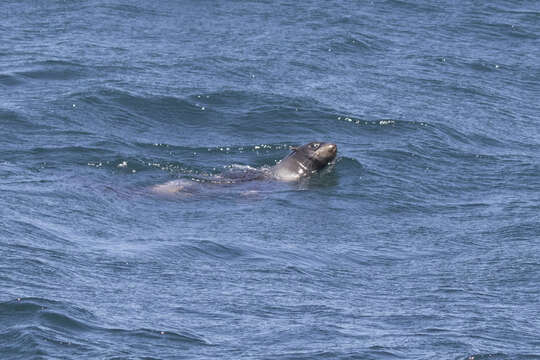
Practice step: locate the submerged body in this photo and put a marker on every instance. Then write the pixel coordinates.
(302, 162)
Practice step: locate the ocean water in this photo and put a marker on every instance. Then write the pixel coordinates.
(421, 242)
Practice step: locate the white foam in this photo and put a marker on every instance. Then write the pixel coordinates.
(171, 187)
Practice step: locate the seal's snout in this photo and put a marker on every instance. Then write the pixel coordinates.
(332, 148)
(329, 150)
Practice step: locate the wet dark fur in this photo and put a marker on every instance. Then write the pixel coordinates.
(305, 160)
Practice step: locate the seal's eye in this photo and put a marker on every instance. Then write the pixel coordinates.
(315, 146)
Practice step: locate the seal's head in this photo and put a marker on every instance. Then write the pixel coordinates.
(305, 160)
(315, 155)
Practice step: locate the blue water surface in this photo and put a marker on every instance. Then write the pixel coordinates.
(421, 242)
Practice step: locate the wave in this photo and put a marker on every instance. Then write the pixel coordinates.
(415, 8)
(381, 123)
(39, 326)
(130, 10)
(15, 122)
(53, 70)
(439, 138)
(494, 30)
(201, 109)
(211, 249)
(501, 356)
(355, 43)
(138, 106)
(26, 309)
(10, 80)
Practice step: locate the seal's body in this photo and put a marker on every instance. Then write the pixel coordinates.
(304, 161)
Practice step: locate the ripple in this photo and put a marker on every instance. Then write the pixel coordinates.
(53, 70)
(495, 29)
(37, 325)
(15, 122)
(381, 124)
(212, 249)
(501, 356)
(10, 80)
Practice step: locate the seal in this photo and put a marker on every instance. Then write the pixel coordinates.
(304, 161)
(301, 162)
